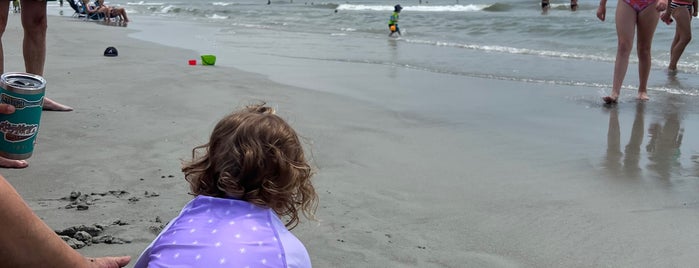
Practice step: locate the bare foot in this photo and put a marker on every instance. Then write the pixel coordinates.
(610, 99)
(643, 96)
(51, 105)
(9, 163)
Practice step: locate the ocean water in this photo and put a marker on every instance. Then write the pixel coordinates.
(505, 40)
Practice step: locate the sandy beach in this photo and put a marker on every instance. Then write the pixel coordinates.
(517, 175)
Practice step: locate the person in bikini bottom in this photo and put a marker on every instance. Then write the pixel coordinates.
(633, 17)
(639, 5)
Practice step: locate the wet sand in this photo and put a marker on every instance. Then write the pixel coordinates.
(509, 174)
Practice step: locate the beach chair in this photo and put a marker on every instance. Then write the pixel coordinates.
(78, 13)
(81, 11)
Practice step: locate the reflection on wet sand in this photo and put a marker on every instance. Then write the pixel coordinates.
(393, 47)
(631, 155)
(663, 148)
(612, 161)
(665, 139)
(633, 148)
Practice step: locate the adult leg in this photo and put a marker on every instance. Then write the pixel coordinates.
(27, 241)
(34, 44)
(625, 30)
(683, 34)
(104, 10)
(647, 22)
(123, 14)
(4, 11)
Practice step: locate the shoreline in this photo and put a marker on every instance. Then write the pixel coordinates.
(502, 181)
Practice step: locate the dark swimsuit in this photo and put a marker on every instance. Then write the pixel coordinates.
(674, 5)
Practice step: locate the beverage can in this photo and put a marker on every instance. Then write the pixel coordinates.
(25, 92)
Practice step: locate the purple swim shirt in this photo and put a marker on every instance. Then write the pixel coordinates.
(219, 232)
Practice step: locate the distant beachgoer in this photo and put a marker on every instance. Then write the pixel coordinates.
(633, 16)
(393, 21)
(93, 9)
(545, 5)
(682, 11)
(250, 174)
(112, 12)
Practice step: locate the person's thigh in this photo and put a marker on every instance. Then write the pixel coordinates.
(4, 11)
(647, 22)
(33, 12)
(625, 19)
(683, 19)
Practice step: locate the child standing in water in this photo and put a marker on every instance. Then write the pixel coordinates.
(682, 11)
(393, 21)
(251, 173)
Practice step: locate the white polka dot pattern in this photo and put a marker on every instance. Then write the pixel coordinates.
(217, 232)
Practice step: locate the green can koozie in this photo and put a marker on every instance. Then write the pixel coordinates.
(25, 92)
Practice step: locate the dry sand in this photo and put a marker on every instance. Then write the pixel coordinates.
(508, 184)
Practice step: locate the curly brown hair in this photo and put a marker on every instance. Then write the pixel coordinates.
(255, 156)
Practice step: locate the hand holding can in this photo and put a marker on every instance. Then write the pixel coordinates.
(24, 92)
(6, 109)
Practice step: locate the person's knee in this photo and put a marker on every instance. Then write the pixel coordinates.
(36, 30)
(625, 46)
(35, 26)
(685, 33)
(643, 52)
